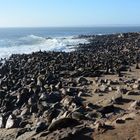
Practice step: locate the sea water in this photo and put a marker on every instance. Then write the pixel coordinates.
(28, 40)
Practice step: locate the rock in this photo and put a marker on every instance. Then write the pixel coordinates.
(59, 85)
(77, 116)
(67, 101)
(1, 122)
(118, 88)
(71, 91)
(99, 124)
(56, 105)
(108, 83)
(25, 111)
(91, 106)
(100, 81)
(138, 81)
(107, 109)
(124, 90)
(120, 120)
(22, 97)
(67, 133)
(117, 98)
(80, 94)
(82, 81)
(20, 132)
(135, 105)
(23, 123)
(47, 83)
(96, 79)
(43, 97)
(41, 126)
(94, 115)
(16, 112)
(110, 88)
(133, 93)
(54, 97)
(100, 94)
(11, 122)
(103, 88)
(115, 82)
(137, 66)
(63, 91)
(40, 80)
(136, 86)
(62, 115)
(2, 94)
(63, 123)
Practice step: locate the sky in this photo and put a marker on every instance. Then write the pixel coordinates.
(69, 13)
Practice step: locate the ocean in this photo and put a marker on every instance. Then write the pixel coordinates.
(28, 40)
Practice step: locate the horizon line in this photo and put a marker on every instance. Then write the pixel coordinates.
(126, 25)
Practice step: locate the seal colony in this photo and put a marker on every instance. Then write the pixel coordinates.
(47, 95)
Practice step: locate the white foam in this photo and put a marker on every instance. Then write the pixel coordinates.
(34, 43)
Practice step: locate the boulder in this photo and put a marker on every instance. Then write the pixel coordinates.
(78, 116)
(41, 126)
(106, 109)
(117, 98)
(120, 120)
(135, 105)
(94, 115)
(11, 122)
(1, 122)
(82, 81)
(21, 132)
(99, 124)
(133, 93)
(63, 123)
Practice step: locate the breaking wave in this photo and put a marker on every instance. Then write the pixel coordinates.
(32, 43)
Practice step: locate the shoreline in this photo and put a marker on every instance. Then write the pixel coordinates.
(50, 95)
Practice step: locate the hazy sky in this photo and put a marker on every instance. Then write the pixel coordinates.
(32, 13)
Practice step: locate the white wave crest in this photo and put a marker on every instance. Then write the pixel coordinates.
(34, 43)
(31, 40)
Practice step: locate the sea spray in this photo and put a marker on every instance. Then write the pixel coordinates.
(32, 43)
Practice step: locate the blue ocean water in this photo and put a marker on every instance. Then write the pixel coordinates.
(63, 31)
(27, 40)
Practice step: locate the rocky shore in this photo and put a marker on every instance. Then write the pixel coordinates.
(70, 96)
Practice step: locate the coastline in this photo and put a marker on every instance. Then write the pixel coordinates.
(47, 93)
